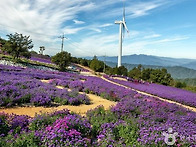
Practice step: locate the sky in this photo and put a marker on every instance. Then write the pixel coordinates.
(156, 27)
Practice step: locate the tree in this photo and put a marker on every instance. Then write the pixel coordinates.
(2, 45)
(33, 52)
(96, 65)
(145, 75)
(136, 72)
(161, 76)
(62, 59)
(119, 71)
(180, 84)
(18, 45)
(2, 42)
(84, 62)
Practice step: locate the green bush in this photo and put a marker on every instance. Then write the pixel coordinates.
(4, 127)
(180, 85)
(62, 59)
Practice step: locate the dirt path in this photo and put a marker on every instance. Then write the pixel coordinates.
(87, 68)
(144, 93)
(81, 109)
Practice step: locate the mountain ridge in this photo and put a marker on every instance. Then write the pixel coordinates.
(150, 60)
(179, 68)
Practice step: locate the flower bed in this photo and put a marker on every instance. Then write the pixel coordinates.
(48, 61)
(171, 93)
(60, 128)
(15, 90)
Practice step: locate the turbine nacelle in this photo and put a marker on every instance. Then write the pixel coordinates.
(118, 21)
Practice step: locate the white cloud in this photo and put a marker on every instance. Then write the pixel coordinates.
(70, 30)
(41, 19)
(78, 21)
(147, 46)
(171, 39)
(141, 9)
(96, 45)
(134, 9)
(152, 36)
(106, 25)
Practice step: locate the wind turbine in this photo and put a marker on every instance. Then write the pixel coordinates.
(122, 28)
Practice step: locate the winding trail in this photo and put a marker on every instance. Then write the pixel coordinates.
(144, 93)
(81, 109)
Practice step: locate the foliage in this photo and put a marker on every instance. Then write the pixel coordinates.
(4, 128)
(96, 65)
(145, 74)
(135, 73)
(180, 85)
(2, 43)
(33, 52)
(62, 59)
(191, 88)
(118, 71)
(18, 45)
(81, 61)
(160, 76)
(98, 116)
(84, 62)
(188, 81)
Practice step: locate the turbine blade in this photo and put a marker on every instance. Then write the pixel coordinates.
(125, 26)
(123, 32)
(123, 10)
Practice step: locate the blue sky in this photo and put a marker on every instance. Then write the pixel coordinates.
(156, 27)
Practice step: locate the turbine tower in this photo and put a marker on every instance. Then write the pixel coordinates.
(122, 28)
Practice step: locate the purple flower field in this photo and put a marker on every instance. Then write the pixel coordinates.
(136, 120)
(171, 93)
(41, 60)
(18, 88)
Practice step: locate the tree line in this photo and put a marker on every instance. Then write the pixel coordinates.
(160, 76)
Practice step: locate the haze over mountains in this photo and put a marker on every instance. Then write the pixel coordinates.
(180, 68)
(153, 60)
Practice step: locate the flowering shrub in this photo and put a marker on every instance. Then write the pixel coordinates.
(4, 128)
(119, 133)
(76, 85)
(60, 134)
(59, 128)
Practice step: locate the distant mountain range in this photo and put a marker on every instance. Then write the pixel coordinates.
(179, 68)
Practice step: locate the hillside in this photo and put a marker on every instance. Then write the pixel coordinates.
(191, 65)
